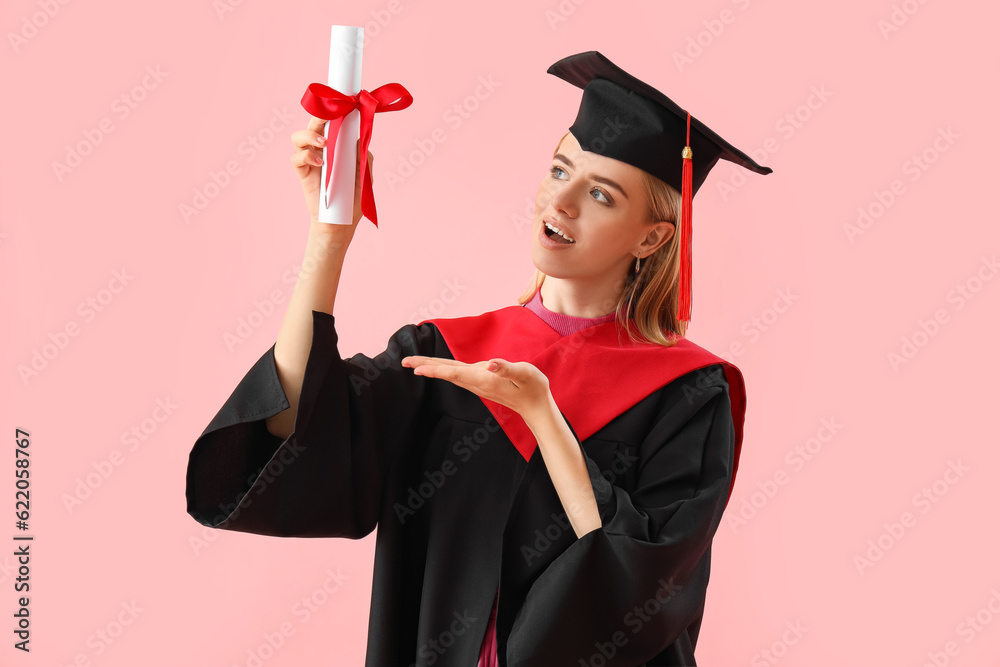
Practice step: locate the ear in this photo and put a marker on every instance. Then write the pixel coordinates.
(658, 234)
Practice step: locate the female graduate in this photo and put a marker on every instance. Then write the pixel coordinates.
(546, 478)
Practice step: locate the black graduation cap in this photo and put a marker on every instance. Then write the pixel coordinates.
(623, 118)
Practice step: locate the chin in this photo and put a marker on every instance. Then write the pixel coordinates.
(545, 260)
(538, 258)
(546, 264)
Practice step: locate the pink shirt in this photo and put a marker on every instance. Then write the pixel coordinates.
(564, 325)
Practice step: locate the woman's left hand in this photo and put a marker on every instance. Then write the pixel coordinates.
(517, 385)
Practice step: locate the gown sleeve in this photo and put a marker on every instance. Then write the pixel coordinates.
(326, 478)
(624, 592)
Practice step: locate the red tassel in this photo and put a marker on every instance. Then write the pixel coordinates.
(684, 302)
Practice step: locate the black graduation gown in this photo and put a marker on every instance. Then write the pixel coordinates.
(462, 499)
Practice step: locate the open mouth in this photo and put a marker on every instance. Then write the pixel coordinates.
(557, 236)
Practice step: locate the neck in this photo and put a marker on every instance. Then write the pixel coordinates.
(578, 298)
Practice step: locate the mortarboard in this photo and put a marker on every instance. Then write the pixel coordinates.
(623, 118)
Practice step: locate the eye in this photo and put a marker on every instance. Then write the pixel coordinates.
(601, 192)
(604, 198)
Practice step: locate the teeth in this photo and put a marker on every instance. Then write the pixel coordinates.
(560, 233)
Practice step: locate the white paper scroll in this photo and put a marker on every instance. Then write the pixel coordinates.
(346, 43)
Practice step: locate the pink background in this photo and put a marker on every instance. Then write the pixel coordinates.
(457, 223)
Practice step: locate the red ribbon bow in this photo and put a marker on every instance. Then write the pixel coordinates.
(324, 102)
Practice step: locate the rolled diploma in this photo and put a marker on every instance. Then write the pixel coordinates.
(346, 42)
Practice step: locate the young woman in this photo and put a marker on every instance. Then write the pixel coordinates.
(546, 478)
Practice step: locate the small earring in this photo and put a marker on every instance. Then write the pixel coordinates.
(637, 263)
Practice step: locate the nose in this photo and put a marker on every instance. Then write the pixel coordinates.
(563, 199)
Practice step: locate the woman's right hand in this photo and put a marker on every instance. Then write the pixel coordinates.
(307, 161)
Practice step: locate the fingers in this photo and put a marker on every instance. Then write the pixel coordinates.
(308, 146)
(306, 158)
(437, 366)
(310, 138)
(417, 360)
(316, 124)
(463, 374)
(463, 377)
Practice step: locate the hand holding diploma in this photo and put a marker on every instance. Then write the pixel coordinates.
(308, 162)
(350, 111)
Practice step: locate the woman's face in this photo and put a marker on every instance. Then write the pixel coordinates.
(598, 202)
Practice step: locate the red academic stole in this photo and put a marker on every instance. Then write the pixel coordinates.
(575, 365)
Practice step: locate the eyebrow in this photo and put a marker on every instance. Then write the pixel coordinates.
(599, 179)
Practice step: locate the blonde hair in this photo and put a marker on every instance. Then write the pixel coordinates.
(650, 296)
